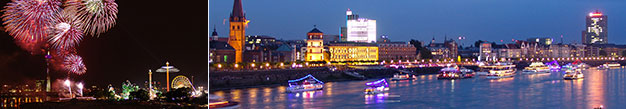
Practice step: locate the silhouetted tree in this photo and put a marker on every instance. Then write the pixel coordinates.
(178, 95)
(603, 53)
(477, 43)
(140, 94)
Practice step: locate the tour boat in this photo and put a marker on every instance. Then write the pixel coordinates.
(554, 65)
(398, 77)
(306, 83)
(609, 65)
(453, 73)
(484, 69)
(573, 74)
(536, 67)
(467, 71)
(501, 70)
(216, 102)
(376, 87)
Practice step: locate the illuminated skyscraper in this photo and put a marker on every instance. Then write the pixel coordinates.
(238, 24)
(596, 29)
(360, 29)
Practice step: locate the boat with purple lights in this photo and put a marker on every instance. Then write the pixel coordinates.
(306, 83)
(376, 87)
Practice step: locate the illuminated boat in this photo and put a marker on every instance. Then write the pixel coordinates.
(376, 87)
(554, 65)
(609, 65)
(484, 69)
(453, 72)
(398, 77)
(501, 70)
(216, 102)
(306, 83)
(536, 67)
(573, 74)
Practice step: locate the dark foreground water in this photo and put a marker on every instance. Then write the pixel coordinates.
(599, 87)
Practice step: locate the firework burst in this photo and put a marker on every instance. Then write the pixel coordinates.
(74, 64)
(27, 20)
(65, 32)
(97, 16)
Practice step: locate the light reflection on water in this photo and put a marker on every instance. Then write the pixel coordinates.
(599, 87)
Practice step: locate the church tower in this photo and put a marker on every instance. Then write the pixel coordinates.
(238, 24)
(315, 46)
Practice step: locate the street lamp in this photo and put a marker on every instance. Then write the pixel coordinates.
(167, 69)
(68, 84)
(80, 88)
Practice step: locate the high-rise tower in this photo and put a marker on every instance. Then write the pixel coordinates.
(596, 29)
(360, 29)
(238, 24)
(315, 45)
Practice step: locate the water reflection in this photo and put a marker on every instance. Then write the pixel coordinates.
(596, 88)
(375, 98)
(599, 87)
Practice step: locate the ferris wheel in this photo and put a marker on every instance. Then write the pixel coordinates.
(181, 81)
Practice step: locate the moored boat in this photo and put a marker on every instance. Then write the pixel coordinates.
(501, 70)
(398, 77)
(453, 72)
(376, 87)
(609, 65)
(573, 74)
(216, 102)
(306, 83)
(536, 67)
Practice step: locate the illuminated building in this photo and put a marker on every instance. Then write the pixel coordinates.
(596, 29)
(485, 51)
(448, 49)
(256, 41)
(388, 51)
(315, 46)
(360, 29)
(221, 52)
(352, 52)
(561, 50)
(238, 24)
(541, 40)
(506, 51)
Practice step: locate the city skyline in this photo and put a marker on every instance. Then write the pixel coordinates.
(504, 21)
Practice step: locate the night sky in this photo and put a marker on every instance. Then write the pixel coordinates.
(492, 20)
(147, 34)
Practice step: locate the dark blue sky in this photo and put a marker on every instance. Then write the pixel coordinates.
(491, 20)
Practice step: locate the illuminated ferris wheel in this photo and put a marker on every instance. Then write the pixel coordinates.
(181, 81)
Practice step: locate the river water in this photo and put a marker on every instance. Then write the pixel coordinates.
(599, 87)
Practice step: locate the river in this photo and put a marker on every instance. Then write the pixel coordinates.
(599, 88)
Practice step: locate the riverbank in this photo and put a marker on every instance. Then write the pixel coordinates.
(105, 104)
(224, 80)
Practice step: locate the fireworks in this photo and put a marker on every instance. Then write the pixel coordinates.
(66, 32)
(27, 20)
(38, 24)
(74, 64)
(97, 15)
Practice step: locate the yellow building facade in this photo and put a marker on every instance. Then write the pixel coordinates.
(346, 52)
(315, 46)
